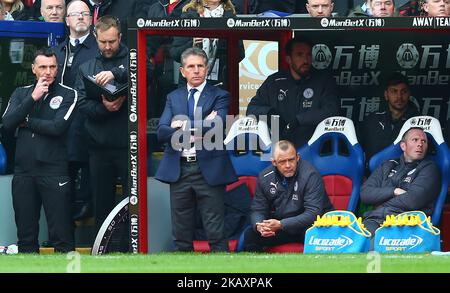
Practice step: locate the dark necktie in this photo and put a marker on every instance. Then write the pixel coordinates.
(96, 7)
(191, 103)
(77, 42)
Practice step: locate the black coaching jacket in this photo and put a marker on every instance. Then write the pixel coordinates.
(420, 179)
(41, 129)
(104, 129)
(295, 201)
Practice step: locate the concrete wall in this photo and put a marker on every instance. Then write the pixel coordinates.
(159, 221)
(8, 232)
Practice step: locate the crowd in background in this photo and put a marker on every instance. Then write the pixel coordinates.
(32, 9)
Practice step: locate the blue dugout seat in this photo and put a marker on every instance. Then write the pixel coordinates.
(335, 152)
(249, 144)
(249, 147)
(3, 160)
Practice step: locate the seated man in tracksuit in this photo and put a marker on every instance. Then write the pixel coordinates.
(380, 129)
(289, 196)
(406, 184)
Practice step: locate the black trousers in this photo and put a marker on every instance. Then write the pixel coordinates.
(255, 242)
(189, 193)
(53, 192)
(105, 167)
(372, 224)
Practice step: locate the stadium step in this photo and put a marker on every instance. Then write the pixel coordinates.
(85, 222)
(50, 250)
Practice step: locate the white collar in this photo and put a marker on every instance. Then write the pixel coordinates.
(199, 88)
(93, 3)
(72, 40)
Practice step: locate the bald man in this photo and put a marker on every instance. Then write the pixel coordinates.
(53, 10)
(320, 8)
(289, 195)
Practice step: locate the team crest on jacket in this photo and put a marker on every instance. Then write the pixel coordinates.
(273, 188)
(308, 93)
(55, 102)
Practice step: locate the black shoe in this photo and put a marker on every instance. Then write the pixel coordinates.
(47, 243)
(82, 212)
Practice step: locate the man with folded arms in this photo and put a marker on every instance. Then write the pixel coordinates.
(197, 173)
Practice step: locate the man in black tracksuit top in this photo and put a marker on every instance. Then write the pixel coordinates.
(107, 121)
(42, 113)
(288, 198)
(300, 97)
(380, 129)
(407, 184)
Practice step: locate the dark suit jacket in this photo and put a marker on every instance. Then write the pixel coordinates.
(215, 165)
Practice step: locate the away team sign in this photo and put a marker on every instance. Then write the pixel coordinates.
(431, 22)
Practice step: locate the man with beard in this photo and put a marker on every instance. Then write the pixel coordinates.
(380, 129)
(122, 9)
(301, 97)
(78, 48)
(106, 121)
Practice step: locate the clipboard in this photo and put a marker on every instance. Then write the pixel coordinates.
(110, 91)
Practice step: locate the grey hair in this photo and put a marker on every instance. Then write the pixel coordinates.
(282, 145)
(193, 51)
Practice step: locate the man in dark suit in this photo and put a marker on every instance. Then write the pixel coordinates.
(79, 47)
(197, 173)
